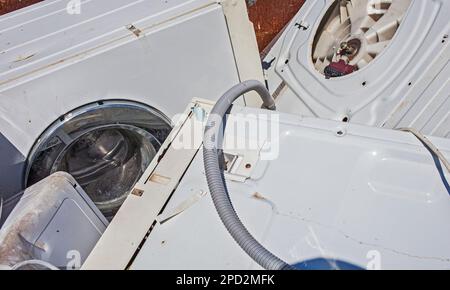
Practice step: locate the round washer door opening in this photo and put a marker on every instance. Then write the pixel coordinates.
(105, 146)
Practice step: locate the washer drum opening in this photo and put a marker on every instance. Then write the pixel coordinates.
(105, 146)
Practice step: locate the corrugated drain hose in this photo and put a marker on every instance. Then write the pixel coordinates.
(216, 181)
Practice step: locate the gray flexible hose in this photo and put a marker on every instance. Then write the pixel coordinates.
(216, 182)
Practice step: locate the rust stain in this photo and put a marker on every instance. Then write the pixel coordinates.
(259, 196)
(156, 178)
(136, 31)
(137, 192)
(24, 58)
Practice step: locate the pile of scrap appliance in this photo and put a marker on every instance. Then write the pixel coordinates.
(150, 135)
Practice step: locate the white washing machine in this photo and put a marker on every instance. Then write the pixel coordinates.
(90, 87)
(318, 194)
(381, 63)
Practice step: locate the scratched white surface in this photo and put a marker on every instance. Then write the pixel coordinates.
(325, 196)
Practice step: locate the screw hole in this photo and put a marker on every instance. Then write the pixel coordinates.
(248, 166)
(341, 132)
(345, 120)
(364, 84)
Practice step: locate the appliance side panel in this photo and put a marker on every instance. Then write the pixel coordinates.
(164, 67)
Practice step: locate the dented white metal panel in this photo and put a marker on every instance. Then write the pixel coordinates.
(43, 37)
(345, 196)
(160, 53)
(404, 86)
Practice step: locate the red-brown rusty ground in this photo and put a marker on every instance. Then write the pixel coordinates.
(7, 6)
(268, 16)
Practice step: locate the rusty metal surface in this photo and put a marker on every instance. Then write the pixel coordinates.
(7, 6)
(270, 16)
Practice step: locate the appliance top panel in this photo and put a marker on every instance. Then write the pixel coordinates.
(51, 32)
(324, 190)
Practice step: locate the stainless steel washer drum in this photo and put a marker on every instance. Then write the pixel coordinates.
(105, 146)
